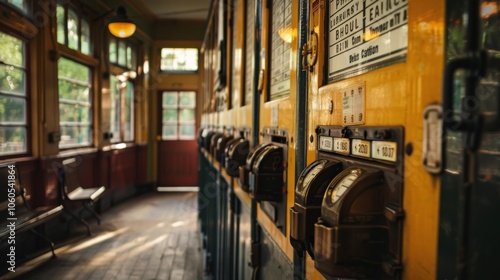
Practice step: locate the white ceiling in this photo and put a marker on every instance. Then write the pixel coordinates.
(178, 9)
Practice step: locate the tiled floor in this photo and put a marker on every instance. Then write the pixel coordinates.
(154, 236)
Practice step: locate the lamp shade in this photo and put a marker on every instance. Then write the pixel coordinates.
(120, 26)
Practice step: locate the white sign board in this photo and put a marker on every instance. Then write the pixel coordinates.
(365, 35)
(280, 48)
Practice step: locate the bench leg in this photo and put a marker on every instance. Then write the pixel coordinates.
(48, 241)
(88, 206)
(81, 221)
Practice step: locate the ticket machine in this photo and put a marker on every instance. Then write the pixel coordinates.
(309, 192)
(236, 154)
(264, 175)
(359, 175)
(221, 147)
(247, 168)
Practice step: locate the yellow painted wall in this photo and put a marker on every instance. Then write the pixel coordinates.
(397, 95)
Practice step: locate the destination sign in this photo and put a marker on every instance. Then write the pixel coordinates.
(366, 34)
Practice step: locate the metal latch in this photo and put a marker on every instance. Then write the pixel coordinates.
(432, 157)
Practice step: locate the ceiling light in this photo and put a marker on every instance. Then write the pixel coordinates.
(120, 26)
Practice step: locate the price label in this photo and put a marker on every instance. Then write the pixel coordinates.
(384, 150)
(341, 145)
(361, 148)
(326, 143)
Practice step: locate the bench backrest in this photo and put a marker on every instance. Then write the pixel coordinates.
(68, 177)
(12, 201)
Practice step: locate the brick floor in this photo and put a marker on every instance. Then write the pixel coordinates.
(154, 236)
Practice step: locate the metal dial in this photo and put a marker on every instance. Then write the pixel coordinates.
(311, 174)
(344, 185)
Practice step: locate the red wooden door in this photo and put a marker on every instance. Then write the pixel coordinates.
(177, 147)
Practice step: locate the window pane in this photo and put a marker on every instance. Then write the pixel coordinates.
(69, 90)
(186, 132)
(12, 110)
(21, 4)
(60, 24)
(73, 71)
(129, 57)
(170, 99)
(128, 110)
(74, 103)
(115, 109)
(169, 132)
(186, 115)
(12, 79)
(112, 50)
(179, 59)
(188, 99)
(74, 113)
(72, 136)
(11, 50)
(12, 140)
(85, 38)
(170, 115)
(72, 30)
(122, 57)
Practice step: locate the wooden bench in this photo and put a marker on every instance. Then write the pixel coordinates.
(15, 214)
(71, 191)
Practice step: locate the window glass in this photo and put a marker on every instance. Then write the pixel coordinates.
(122, 53)
(179, 59)
(112, 50)
(170, 99)
(122, 110)
(85, 38)
(115, 109)
(187, 99)
(13, 109)
(169, 115)
(179, 115)
(129, 57)
(169, 132)
(61, 35)
(128, 108)
(21, 4)
(13, 119)
(186, 115)
(12, 79)
(186, 131)
(72, 30)
(74, 103)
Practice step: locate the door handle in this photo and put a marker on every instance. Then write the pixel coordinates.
(476, 63)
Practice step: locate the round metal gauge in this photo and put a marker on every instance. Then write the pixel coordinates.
(341, 184)
(344, 185)
(309, 176)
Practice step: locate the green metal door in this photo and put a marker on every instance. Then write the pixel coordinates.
(469, 227)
